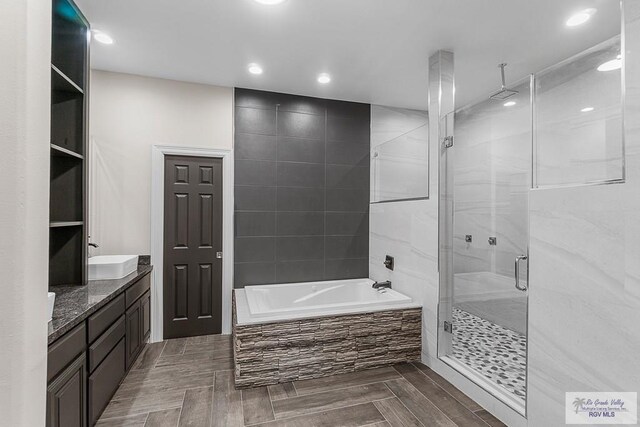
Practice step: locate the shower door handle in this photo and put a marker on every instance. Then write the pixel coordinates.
(517, 272)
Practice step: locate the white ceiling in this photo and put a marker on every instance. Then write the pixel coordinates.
(375, 50)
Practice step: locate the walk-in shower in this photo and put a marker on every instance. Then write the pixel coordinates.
(559, 127)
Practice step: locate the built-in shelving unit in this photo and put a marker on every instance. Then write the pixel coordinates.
(69, 84)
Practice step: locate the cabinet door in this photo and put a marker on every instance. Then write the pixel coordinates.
(146, 316)
(134, 331)
(66, 396)
(104, 381)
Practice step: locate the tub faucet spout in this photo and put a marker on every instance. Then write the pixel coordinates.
(382, 285)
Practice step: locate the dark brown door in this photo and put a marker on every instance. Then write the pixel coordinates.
(192, 237)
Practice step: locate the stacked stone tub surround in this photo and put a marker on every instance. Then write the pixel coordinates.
(298, 349)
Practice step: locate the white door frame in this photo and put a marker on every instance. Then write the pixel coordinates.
(158, 153)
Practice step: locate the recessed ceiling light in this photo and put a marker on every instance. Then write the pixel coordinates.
(580, 17)
(324, 78)
(510, 103)
(587, 109)
(269, 2)
(101, 37)
(614, 64)
(254, 69)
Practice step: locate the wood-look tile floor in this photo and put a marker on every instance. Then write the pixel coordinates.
(189, 382)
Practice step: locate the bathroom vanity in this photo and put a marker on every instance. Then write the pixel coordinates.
(96, 334)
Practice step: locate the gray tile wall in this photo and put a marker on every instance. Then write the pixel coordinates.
(301, 188)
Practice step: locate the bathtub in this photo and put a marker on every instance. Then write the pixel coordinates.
(269, 303)
(299, 331)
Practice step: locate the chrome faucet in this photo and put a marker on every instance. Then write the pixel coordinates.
(382, 285)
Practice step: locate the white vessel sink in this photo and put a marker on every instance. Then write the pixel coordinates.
(107, 267)
(52, 300)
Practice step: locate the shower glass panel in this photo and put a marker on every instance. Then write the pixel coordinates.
(579, 119)
(399, 154)
(485, 334)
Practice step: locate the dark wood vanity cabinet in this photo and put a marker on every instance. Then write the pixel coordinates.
(134, 327)
(138, 326)
(87, 364)
(66, 396)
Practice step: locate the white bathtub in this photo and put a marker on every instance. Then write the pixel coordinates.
(269, 303)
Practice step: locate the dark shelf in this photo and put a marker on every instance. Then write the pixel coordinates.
(68, 142)
(69, 45)
(60, 151)
(58, 224)
(60, 82)
(67, 113)
(66, 256)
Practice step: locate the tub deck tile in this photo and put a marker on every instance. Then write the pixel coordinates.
(301, 349)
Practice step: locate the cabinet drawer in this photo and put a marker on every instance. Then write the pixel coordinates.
(105, 380)
(65, 350)
(103, 345)
(138, 289)
(103, 318)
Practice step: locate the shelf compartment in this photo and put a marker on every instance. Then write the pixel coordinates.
(66, 198)
(58, 224)
(60, 151)
(60, 82)
(69, 47)
(67, 114)
(66, 256)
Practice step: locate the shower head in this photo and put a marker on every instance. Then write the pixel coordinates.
(503, 93)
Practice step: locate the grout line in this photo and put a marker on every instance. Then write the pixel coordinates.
(273, 411)
(213, 400)
(275, 216)
(402, 403)
(182, 406)
(241, 405)
(378, 409)
(324, 215)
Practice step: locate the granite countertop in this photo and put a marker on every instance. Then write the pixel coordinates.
(75, 303)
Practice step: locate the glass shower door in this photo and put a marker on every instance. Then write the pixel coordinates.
(487, 182)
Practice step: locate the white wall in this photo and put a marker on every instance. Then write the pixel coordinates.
(25, 43)
(129, 114)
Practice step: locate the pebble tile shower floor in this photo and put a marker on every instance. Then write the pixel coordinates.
(189, 382)
(498, 353)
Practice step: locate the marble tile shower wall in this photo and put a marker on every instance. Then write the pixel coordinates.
(301, 188)
(492, 172)
(398, 228)
(584, 299)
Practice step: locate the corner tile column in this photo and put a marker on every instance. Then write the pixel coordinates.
(441, 109)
